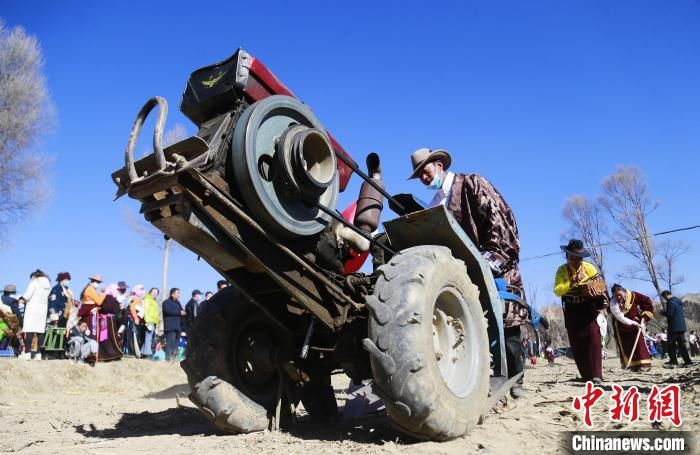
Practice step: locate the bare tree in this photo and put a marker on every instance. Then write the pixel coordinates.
(626, 199)
(586, 223)
(26, 114)
(668, 254)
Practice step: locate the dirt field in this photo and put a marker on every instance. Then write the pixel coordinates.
(130, 406)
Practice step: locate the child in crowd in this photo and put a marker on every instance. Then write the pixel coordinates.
(80, 346)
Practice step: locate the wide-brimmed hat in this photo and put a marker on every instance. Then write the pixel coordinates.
(575, 248)
(10, 289)
(423, 156)
(96, 277)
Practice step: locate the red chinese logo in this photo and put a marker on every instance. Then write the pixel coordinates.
(665, 404)
(626, 404)
(587, 401)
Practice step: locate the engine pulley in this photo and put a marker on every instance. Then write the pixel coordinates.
(283, 163)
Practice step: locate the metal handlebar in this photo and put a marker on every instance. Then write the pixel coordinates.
(157, 135)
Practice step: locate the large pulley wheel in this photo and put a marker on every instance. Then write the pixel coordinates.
(284, 166)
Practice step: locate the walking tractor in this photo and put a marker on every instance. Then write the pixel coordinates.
(254, 193)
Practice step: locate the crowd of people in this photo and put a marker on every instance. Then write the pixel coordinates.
(98, 323)
(585, 299)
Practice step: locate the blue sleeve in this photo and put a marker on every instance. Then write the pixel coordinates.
(670, 309)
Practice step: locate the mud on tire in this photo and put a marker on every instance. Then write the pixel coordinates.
(428, 344)
(217, 389)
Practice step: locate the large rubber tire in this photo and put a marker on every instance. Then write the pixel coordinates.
(422, 291)
(220, 393)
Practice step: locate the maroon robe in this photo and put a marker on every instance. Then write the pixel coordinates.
(640, 308)
(584, 337)
(109, 348)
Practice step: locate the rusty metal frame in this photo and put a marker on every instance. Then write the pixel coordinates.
(300, 278)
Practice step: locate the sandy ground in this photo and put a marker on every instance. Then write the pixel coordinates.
(130, 406)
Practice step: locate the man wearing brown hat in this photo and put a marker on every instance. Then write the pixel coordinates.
(489, 223)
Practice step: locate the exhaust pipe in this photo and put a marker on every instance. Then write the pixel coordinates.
(371, 201)
(369, 208)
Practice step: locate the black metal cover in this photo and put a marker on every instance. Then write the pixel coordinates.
(214, 89)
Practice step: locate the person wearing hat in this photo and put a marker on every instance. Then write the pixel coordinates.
(192, 309)
(489, 223)
(580, 310)
(92, 294)
(122, 295)
(61, 299)
(9, 303)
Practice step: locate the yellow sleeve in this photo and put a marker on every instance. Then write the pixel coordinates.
(589, 271)
(561, 281)
(91, 293)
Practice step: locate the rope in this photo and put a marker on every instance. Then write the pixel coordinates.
(617, 242)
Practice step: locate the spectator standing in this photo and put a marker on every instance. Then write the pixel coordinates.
(61, 298)
(524, 349)
(192, 310)
(221, 284)
(36, 299)
(662, 340)
(121, 295)
(675, 317)
(693, 342)
(207, 296)
(172, 314)
(134, 325)
(150, 317)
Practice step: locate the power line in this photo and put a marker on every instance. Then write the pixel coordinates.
(617, 242)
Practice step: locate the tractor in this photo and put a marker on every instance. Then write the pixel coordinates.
(254, 193)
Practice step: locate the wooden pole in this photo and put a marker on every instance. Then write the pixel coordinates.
(164, 293)
(634, 348)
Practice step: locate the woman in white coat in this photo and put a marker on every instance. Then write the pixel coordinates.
(36, 299)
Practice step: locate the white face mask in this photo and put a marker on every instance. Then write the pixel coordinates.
(96, 285)
(65, 283)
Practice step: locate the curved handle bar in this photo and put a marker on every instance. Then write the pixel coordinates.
(157, 134)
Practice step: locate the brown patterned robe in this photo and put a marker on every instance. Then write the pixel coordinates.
(489, 222)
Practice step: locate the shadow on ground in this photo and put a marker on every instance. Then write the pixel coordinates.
(367, 429)
(189, 422)
(182, 421)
